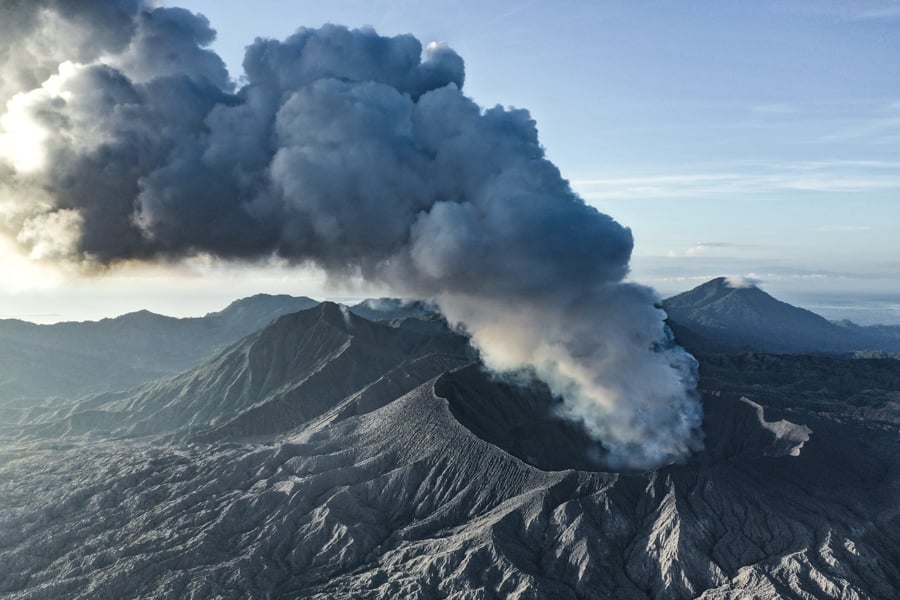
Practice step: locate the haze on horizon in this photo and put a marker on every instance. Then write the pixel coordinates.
(731, 139)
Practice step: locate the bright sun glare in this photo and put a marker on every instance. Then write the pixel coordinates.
(20, 274)
(22, 139)
(21, 136)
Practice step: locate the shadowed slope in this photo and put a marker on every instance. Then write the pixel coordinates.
(397, 474)
(718, 317)
(405, 501)
(278, 378)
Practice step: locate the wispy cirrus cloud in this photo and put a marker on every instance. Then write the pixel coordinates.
(748, 178)
(706, 249)
(890, 12)
(665, 276)
(774, 109)
(846, 228)
(872, 129)
(846, 120)
(858, 10)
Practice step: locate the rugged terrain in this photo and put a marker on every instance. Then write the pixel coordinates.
(331, 456)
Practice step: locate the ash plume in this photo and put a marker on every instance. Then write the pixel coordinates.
(123, 138)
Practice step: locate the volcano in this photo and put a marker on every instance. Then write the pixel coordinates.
(331, 456)
(718, 316)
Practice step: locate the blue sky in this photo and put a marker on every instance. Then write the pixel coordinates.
(753, 138)
(733, 137)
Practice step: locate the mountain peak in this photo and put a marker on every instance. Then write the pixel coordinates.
(729, 282)
(733, 314)
(716, 290)
(739, 282)
(265, 303)
(335, 314)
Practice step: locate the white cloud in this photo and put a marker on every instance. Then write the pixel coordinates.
(742, 281)
(747, 179)
(19, 273)
(885, 13)
(22, 137)
(857, 10)
(848, 228)
(773, 109)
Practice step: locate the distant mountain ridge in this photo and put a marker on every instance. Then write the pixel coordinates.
(72, 359)
(719, 316)
(285, 374)
(75, 358)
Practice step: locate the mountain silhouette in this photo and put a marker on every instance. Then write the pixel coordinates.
(74, 358)
(718, 316)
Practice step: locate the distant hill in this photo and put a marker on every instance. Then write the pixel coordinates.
(76, 358)
(719, 316)
(282, 376)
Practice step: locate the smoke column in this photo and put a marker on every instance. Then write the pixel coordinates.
(123, 138)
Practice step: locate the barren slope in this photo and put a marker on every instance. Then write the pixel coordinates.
(410, 484)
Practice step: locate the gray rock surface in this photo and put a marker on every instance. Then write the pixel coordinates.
(436, 481)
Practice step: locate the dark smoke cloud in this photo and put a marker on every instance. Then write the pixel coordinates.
(347, 150)
(37, 35)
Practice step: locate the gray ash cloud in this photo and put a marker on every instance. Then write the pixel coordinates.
(125, 139)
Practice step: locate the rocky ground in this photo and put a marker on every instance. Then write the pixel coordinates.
(425, 478)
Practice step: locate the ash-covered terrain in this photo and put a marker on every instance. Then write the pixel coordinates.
(329, 455)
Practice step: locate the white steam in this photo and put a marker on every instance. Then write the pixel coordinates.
(741, 281)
